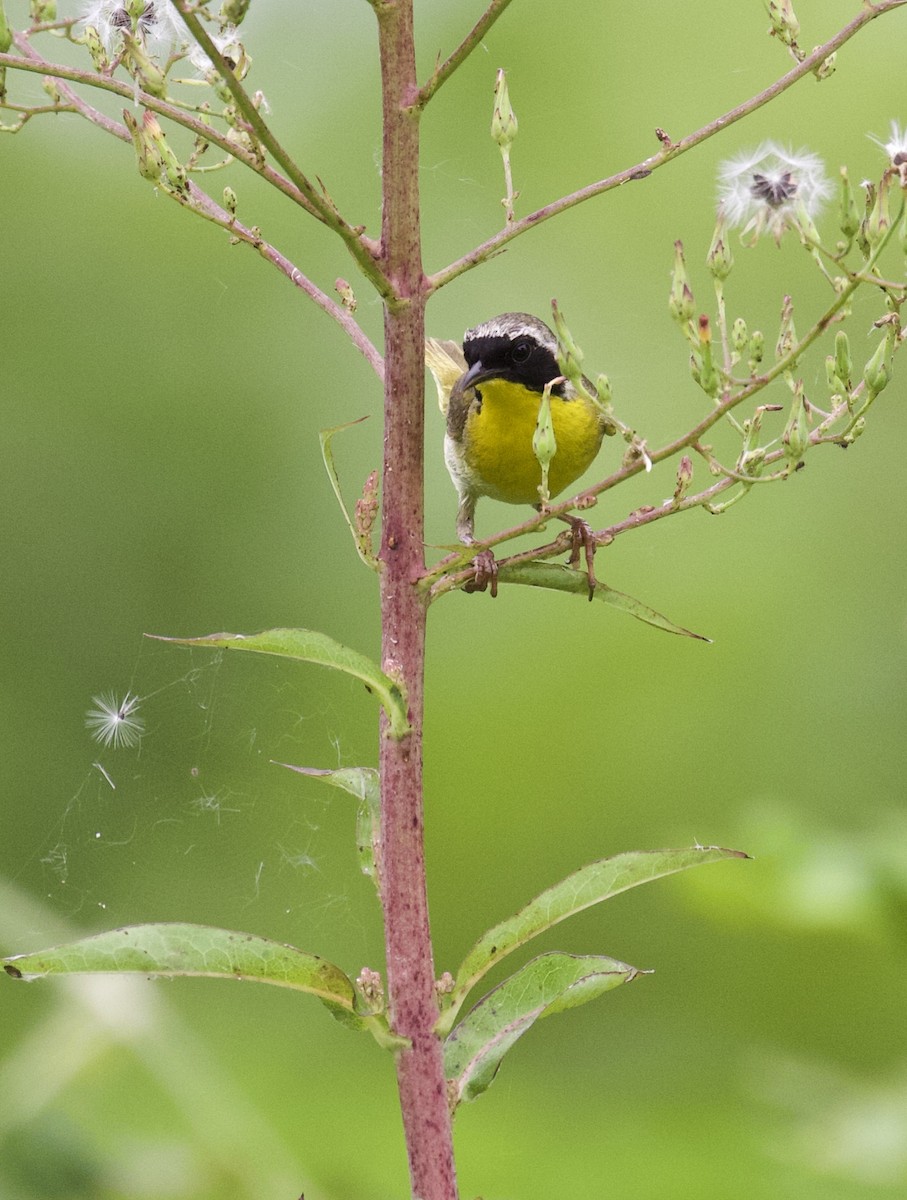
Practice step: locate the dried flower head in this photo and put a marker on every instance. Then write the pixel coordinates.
(896, 146)
(229, 46)
(114, 722)
(766, 191)
(896, 149)
(153, 23)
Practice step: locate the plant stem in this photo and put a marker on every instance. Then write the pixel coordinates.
(642, 170)
(410, 967)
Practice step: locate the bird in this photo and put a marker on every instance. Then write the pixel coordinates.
(490, 392)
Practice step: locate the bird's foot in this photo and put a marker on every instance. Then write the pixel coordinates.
(486, 573)
(582, 538)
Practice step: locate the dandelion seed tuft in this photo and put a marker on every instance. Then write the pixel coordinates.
(154, 25)
(896, 146)
(770, 190)
(114, 722)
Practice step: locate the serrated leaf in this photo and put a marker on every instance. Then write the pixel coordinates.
(326, 436)
(176, 949)
(589, 885)
(559, 578)
(308, 645)
(364, 784)
(549, 984)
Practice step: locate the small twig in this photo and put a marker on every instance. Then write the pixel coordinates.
(444, 70)
(208, 208)
(493, 245)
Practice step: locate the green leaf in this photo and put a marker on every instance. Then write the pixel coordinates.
(589, 885)
(326, 436)
(172, 950)
(565, 579)
(364, 784)
(309, 646)
(549, 984)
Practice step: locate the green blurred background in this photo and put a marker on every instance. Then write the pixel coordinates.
(161, 397)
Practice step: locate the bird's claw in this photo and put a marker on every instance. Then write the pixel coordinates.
(485, 567)
(582, 538)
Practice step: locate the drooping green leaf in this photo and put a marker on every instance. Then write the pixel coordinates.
(308, 645)
(560, 578)
(326, 436)
(177, 949)
(585, 887)
(364, 784)
(549, 984)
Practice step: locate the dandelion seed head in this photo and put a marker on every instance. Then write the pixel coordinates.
(896, 146)
(228, 46)
(114, 722)
(156, 26)
(762, 191)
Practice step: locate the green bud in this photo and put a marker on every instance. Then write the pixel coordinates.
(785, 26)
(752, 462)
(739, 335)
(603, 390)
(843, 360)
(42, 10)
(503, 119)
(146, 73)
(176, 175)
(346, 294)
(6, 34)
(92, 40)
(708, 376)
(862, 235)
(233, 11)
(787, 336)
(680, 302)
(878, 221)
(684, 478)
(877, 372)
(569, 355)
(806, 227)
(51, 87)
(752, 427)
(230, 201)
(147, 155)
(826, 67)
(795, 439)
(855, 431)
(849, 215)
(544, 444)
(719, 259)
(836, 386)
(757, 349)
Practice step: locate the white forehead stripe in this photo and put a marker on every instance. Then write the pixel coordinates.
(514, 325)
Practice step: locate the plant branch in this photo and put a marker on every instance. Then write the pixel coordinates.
(36, 64)
(200, 202)
(452, 571)
(672, 150)
(412, 1004)
(444, 70)
(362, 249)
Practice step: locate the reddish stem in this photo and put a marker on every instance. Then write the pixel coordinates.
(410, 966)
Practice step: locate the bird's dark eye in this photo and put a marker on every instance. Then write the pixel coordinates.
(521, 351)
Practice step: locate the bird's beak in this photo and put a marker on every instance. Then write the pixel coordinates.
(474, 375)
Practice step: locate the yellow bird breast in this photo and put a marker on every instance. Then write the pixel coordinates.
(497, 442)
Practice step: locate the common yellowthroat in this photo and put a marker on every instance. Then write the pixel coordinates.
(490, 393)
